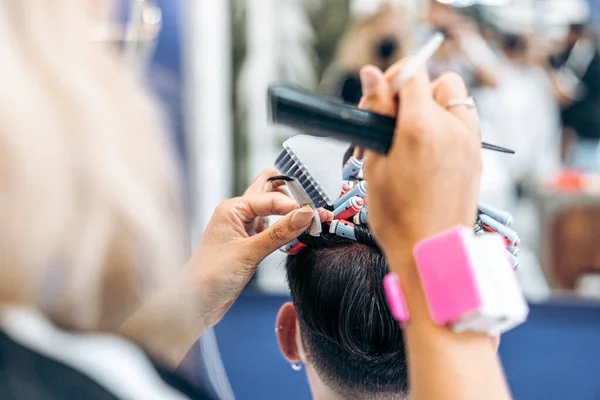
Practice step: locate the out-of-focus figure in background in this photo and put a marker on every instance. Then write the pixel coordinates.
(379, 39)
(577, 88)
(523, 113)
(464, 51)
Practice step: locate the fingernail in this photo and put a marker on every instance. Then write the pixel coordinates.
(302, 217)
(368, 81)
(359, 152)
(325, 215)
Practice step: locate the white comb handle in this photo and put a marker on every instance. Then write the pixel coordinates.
(299, 194)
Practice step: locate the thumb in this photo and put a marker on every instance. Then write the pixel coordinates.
(416, 97)
(414, 92)
(377, 92)
(281, 233)
(377, 97)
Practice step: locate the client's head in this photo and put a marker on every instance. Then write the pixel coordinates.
(339, 324)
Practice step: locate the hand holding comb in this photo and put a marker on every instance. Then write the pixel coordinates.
(321, 116)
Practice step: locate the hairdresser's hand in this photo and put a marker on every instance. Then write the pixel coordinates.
(234, 243)
(429, 181)
(237, 240)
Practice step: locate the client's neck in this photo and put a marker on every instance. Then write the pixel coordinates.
(320, 391)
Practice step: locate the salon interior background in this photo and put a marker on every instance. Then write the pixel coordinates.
(213, 63)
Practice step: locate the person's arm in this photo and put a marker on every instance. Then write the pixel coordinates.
(482, 59)
(235, 241)
(563, 93)
(487, 77)
(428, 183)
(168, 323)
(444, 364)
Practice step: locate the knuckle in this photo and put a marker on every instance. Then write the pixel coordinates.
(418, 131)
(277, 233)
(451, 81)
(463, 138)
(262, 176)
(269, 172)
(450, 78)
(468, 140)
(416, 124)
(223, 206)
(273, 202)
(227, 205)
(461, 131)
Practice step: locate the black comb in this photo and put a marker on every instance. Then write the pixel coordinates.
(322, 116)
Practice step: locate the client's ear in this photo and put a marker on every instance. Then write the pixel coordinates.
(286, 333)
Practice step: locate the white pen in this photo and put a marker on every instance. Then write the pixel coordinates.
(418, 60)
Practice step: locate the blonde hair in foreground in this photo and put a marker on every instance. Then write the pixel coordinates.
(89, 202)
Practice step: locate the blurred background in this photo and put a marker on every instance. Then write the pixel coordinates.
(533, 67)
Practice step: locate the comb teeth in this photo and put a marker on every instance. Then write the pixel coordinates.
(289, 165)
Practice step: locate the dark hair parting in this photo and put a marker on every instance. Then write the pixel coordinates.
(364, 235)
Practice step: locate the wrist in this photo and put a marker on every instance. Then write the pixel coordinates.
(403, 238)
(195, 285)
(167, 324)
(401, 262)
(458, 279)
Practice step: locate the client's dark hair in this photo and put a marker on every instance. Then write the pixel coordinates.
(350, 337)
